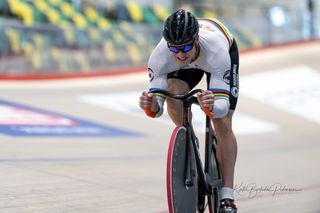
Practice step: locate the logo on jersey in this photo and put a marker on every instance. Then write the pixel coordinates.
(226, 77)
(235, 75)
(206, 27)
(234, 92)
(151, 75)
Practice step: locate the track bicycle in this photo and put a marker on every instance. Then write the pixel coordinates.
(189, 183)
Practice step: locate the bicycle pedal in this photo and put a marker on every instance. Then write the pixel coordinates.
(227, 206)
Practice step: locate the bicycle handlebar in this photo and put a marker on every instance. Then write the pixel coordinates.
(185, 97)
(179, 97)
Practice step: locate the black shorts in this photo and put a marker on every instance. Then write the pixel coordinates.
(194, 76)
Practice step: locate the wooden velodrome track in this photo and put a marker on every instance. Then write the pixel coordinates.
(277, 123)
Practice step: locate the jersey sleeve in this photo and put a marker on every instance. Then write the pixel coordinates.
(219, 81)
(157, 68)
(158, 80)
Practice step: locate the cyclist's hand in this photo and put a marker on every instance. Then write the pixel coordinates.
(149, 101)
(206, 99)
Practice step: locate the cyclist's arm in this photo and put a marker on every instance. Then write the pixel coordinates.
(158, 82)
(160, 101)
(220, 107)
(218, 84)
(158, 70)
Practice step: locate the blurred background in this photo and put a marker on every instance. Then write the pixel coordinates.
(81, 36)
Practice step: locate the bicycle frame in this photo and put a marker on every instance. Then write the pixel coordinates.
(207, 176)
(188, 101)
(187, 123)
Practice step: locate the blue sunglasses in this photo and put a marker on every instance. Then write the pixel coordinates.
(185, 48)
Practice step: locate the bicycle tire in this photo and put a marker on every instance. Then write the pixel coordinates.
(213, 174)
(180, 198)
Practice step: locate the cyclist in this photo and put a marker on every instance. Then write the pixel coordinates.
(189, 48)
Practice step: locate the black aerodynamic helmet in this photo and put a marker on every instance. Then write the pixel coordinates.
(180, 27)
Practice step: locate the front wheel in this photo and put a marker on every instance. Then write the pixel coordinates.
(182, 184)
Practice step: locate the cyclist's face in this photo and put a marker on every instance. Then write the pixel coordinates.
(183, 54)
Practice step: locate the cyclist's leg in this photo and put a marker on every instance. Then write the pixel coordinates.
(174, 107)
(227, 143)
(226, 148)
(181, 82)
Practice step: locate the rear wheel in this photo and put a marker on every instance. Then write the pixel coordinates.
(214, 178)
(182, 181)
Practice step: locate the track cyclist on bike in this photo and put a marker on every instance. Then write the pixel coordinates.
(189, 48)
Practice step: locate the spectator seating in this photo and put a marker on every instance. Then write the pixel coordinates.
(55, 35)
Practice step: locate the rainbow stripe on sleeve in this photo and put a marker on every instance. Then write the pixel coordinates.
(220, 92)
(158, 94)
